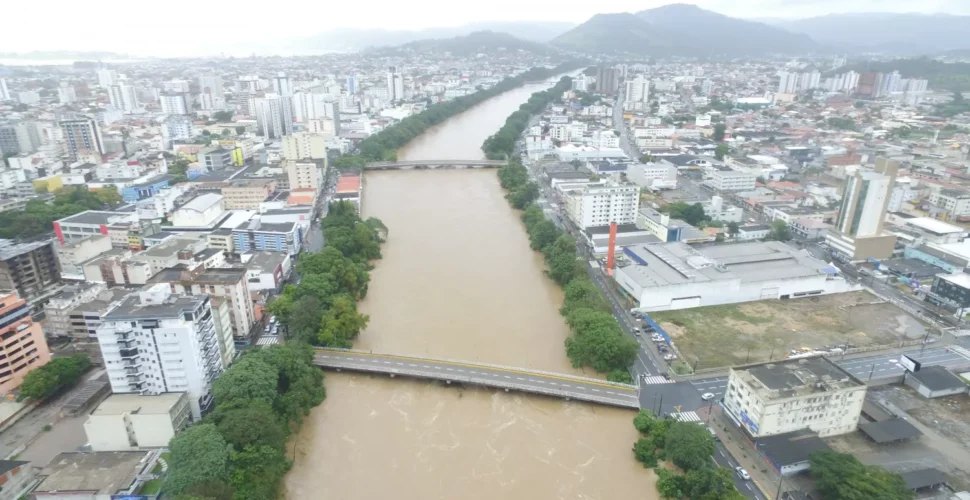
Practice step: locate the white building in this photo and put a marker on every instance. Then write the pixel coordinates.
(66, 94)
(274, 116)
(669, 276)
(4, 90)
(732, 180)
(600, 205)
(716, 209)
(954, 201)
(858, 232)
(315, 106)
(174, 103)
(395, 84)
(305, 174)
(124, 422)
(155, 342)
(305, 146)
(201, 211)
(82, 133)
(28, 97)
(211, 93)
(789, 395)
(637, 92)
(73, 253)
(653, 176)
(123, 98)
(90, 222)
(282, 84)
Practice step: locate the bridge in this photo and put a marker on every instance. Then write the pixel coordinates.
(485, 375)
(429, 164)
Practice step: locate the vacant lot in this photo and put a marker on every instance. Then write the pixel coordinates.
(754, 331)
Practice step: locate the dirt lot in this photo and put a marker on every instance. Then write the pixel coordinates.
(943, 445)
(754, 331)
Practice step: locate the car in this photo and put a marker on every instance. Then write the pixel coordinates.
(669, 357)
(707, 396)
(743, 474)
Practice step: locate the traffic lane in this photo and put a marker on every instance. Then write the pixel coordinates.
(644, 357)
(723, 458)
(715, 386)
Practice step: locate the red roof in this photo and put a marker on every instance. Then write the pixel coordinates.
(348, 184)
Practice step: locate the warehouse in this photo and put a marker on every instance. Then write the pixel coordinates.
(667, 276)
(935, 382)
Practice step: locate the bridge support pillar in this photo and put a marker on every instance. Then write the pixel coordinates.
(340, 369)
(569, 399)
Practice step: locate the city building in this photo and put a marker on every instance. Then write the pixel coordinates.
(90, 222)
(73, 253)
(174, 103)
(16, 476)
(955, 202)
(305, 174)
(935, 382)
(951, 291)
(155, 342)
(274, 116)
(216, 158)
(4, 90)
(82, 134)
(789, 395)
(145, 188)
(123, 98)
(22, 344)
(15, 138)
(637, 92)
(305, 146)
(600, 205)
(95, 475)
(725, 179)
(202, 211)
(677, 276)
(247, 194)
(229, 283)
(858, 233)
(211, 92)
(395, 85)
(126, 422)
(29, 268)
(267, 270)
(257, 235)
(57, 310)
(717, 210)
(607, 80)
(107, 77)
(753, 232)
(87, 317)
(653, 176)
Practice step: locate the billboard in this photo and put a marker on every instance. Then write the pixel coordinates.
(910, 364)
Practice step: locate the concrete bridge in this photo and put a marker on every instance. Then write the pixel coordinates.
(429, 164)
(494, 376)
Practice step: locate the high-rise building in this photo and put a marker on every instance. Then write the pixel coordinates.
(4, 90)
(787, 82)
(580, 83)
(305, 173)
(810, 80)
(868, 85)
(66, 94)
(82, 133)
(858, 231)
(123, 98)
(274, 116)
(176, 128)
(600, 205)
(174, 103)
(304, 145)
(395, 84)
(637, 91)
(314, 105)
(282, 85)
(891, 82)
(607, 80)
(107, 77)
(352, 84)
(15, 138)
(22, 344)
(211, 93)
(29, 268)
(156, 342)
(249, 83)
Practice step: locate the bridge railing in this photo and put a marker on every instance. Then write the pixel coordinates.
(489, 365)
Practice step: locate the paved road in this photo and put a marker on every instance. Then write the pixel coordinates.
(723, 458)
(880, 365)
(500, 377)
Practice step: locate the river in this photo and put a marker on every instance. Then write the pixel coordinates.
(458, 281)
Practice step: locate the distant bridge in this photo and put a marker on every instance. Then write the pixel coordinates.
(498, 377)
(429, 164)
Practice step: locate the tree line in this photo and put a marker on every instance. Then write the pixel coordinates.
(688, 446)
(502, 144)
(38, 216)
(238, 451)
(597, 339)
(322, 308)
(57, 374)
(383, 145)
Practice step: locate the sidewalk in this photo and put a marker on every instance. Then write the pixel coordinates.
(762, 474)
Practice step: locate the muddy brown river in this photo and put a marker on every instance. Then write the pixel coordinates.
(459, 281)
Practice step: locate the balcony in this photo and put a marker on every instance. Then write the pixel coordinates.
(128, 353)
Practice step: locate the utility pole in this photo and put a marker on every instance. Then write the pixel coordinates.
(747, 356)
(870, 372)
(781, 480)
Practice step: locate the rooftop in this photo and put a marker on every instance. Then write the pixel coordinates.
(959, 279)
(791, 447)
(934, 226)
(202, 203)
(117, 404)
(887, 431)
(923, 478)
(173, 307)
(795, 378)
(677, 263)
(9, 249)
(104, 472)
(937, 378)
(92, 217)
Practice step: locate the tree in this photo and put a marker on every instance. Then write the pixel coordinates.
(670, 484)
(644, 421)
(303, 318)
(719, 132)
(341, 323)
(646, 158)
(542, 234)
(561, 259)
(226, 132)
(209, 490)
(250, 379)
(710, 483)
(721, 151)
(733, 228)
(256, 472)
(688, 445)
(245, 423)
(199, 455)
(109, 196)
(240, 129)
(349, 163)
(643, 451)
(524, 195)
(582, 293)
(597, 341)
(779, 231)
(692, 214)
(52, 377)
(222, 116)
(840, 476)
(351, 277)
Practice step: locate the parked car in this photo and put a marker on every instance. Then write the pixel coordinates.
(707, 396)
(743, 474)
(669, 357)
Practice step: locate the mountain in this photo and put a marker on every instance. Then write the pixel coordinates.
(479, 42)
(681, 30)
(878, 31)
(357, 39)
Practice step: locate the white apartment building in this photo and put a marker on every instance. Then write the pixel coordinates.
(315, 106)
(211, 93)
(716, 209)
(176, 128)
(123, 98)
(155, 342)
(600, 205)
(637, 91)
(202, 211)
(4, 90)
(82, 134)
(75, 252)
(162, 204)
(304, 146)
(732, 180)
(229, 283)
(66, 94)
(955, 202)
(128, 422)
(305, 174)
(789, 395)
(395, 84)
(174, 103)
(653, 176)
(274, 116)
(90, 222)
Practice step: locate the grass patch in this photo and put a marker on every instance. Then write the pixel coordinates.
(151, 487)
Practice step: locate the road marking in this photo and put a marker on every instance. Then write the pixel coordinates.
(449, 369)
(399, 364)
(564, 385)
(748, 486)
(460, 370)
(425, 366)
(387, 362)
(596, 390)
(412, 365)
(506, 376)
(519, 378)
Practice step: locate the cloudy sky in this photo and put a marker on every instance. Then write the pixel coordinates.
(181, 27)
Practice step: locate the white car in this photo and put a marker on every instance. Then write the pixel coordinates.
(669, 357)
(707, 396)
(743, 474)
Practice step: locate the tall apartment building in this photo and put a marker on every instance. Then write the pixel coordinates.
(395, 84)
(66, 94)
(314, 106)
(82, 134)
(229, 283)
(858, 232)
(282, 85)
(637, 91)
(29, 268)
(600, 205)
(107, 77)
(22, 344)
(212, 95)
(4, 90)
(790, 395)
(174, 103)
(15, 138)
(274, 116)
(787, 82)
(304, 145)
(305, 174)
(607, 80)
(123, 98)
(352, 84)
(156, 342)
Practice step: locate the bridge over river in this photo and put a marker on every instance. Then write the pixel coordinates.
(485, 375)
(402, 165)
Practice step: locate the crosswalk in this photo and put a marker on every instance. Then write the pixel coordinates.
(655, 379)
(686, 416)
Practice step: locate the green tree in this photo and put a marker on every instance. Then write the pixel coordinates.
(561, 259)
(719, 132)
(543, 233)
(209, 490)
(644, 421)
(303, 318)
(341, 323)
(709, 483)
(198, 455)
(524, 195)
(840, 476)
(249, 379)
(299, 383)
(646, 158)
(721, 151)
(582, 293)
(597, 341)
(256, 472)
(38, 384)
(733, 228)
(222, 116)
(56, 374)
(351, 277)
(670, 484)
(245, 423)
(109, 196)
(779, 231)
(240, 130)
(643, 451)
(349, 163)
(689, 446)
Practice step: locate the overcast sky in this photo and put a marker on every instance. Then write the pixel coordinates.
(181, 27)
